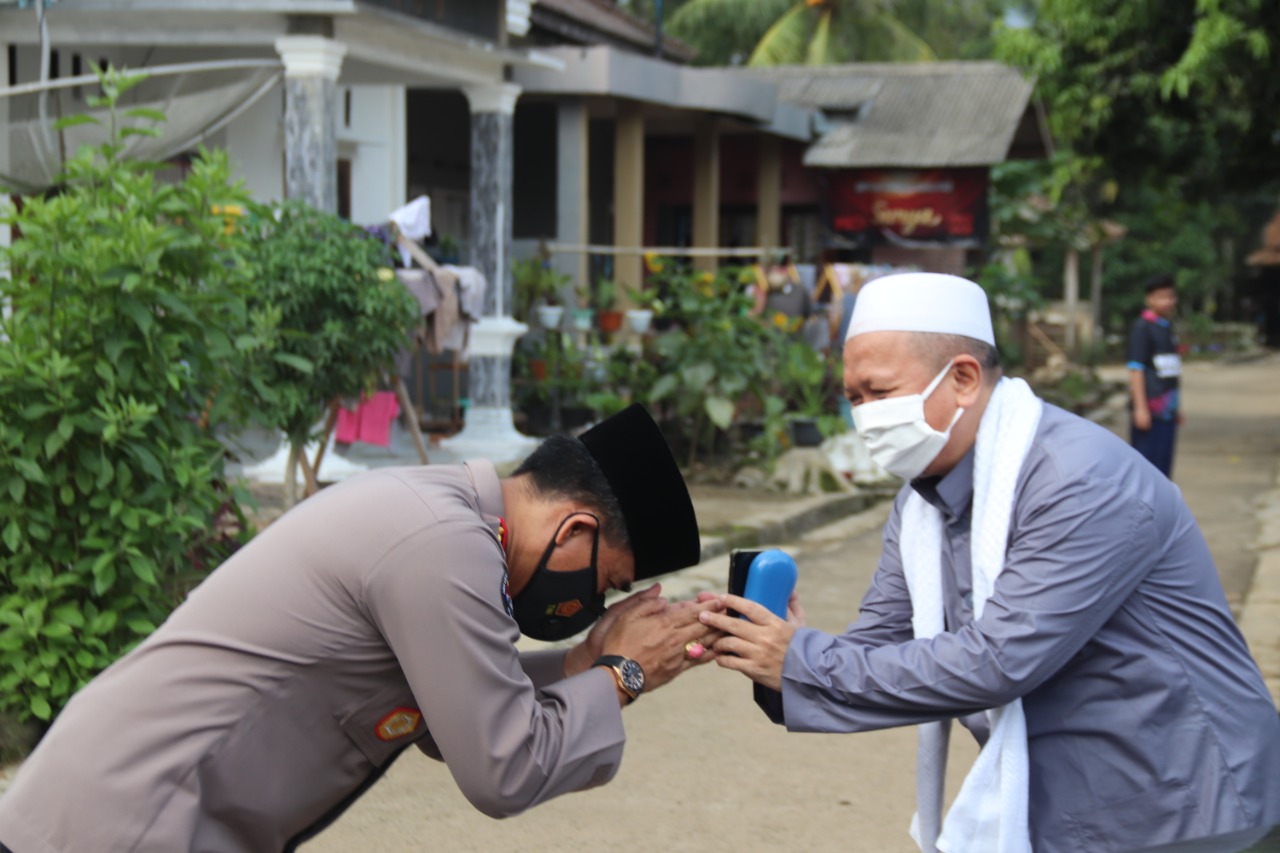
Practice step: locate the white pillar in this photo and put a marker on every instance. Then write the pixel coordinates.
(490, 429)
(5, 82)
(572, 197)
(311, 68)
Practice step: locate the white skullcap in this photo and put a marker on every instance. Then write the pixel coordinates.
(922, 302)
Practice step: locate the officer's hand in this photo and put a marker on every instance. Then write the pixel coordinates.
(654, 635)
(581, 656)
(755, 646)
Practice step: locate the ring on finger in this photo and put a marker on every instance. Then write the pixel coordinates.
(694, 650)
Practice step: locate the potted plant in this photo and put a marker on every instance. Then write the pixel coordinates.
(537, 291)
(608, 316)
(648, 305)
(583, 316)
(447, 250)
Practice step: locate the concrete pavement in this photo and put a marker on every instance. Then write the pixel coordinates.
(705, 771)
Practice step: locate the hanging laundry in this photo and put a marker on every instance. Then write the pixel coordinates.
(447, 313)
(413, 221)
(370, 422)
(471, 292)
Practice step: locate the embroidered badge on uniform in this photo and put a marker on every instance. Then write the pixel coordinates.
(398, 724)
(505, 591)
(568, 608)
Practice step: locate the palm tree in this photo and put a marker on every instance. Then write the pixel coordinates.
(789, 32)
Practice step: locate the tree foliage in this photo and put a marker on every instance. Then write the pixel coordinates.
(117, 362)
(1158, 89)
(1165, 116)
(819, 32)
(340, 315)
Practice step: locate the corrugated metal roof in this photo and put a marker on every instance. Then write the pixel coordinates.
(929, 114)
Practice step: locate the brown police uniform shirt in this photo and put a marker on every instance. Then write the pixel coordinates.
(370, 617)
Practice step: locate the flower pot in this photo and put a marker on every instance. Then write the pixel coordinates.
(583, 319)
(549, 316)
(610, 321)
(639, 319)
(805, 432)
(748, 430)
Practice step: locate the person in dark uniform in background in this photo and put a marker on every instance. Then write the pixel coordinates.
(1155, 368)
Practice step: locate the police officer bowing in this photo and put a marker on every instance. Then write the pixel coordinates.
(383, 613)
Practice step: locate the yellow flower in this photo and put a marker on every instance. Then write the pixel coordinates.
(385, 274)
(780, 320)
(706, 278)
(652, 262)
(229, 214)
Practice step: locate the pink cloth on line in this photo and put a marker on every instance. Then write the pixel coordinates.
(370, 422)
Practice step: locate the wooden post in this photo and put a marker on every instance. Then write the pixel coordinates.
(312, 486)
(410, 418)
(1071, 293)
(330, 422)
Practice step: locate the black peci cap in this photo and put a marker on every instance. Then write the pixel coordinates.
(635, 459)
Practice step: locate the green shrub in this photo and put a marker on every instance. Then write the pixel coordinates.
(712, 356)
(339, 314)
(117, 363)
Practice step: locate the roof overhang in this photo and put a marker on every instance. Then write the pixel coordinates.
(383, 46)
(914, 115)
(607, 72)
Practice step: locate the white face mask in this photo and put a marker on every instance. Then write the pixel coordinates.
(898, 436)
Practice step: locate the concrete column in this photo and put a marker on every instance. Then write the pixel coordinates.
(706, 192)
(490, 428)
(311, 67)
(492, 107)
(769, 193)
(572, 201)
(628, 192)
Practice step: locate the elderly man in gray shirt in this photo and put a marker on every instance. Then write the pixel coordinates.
(1096, 646)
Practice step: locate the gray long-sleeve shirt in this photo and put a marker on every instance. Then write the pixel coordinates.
(1147, 719)
(368, 618)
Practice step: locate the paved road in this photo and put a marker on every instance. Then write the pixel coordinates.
(706, 772)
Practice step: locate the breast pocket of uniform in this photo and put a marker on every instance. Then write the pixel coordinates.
(384, 724)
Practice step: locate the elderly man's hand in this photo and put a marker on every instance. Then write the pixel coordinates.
(755, 646)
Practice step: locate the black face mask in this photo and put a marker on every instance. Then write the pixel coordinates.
(555, 605)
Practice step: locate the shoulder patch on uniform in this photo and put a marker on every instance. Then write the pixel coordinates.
(399, 723)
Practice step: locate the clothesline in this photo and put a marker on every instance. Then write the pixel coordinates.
(678, 251)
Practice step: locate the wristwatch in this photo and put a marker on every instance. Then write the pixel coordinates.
(628, 673)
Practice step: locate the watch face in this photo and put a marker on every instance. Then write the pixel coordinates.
(632, 676)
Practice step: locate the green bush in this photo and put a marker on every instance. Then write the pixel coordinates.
(713, 355)
(337, 314)
(117, 363)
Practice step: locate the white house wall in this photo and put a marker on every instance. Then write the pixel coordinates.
(374, 141)
(255, 144)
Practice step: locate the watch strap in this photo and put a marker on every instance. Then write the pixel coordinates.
(614, 663)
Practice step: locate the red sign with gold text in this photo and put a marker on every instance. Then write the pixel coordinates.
(924, 205)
